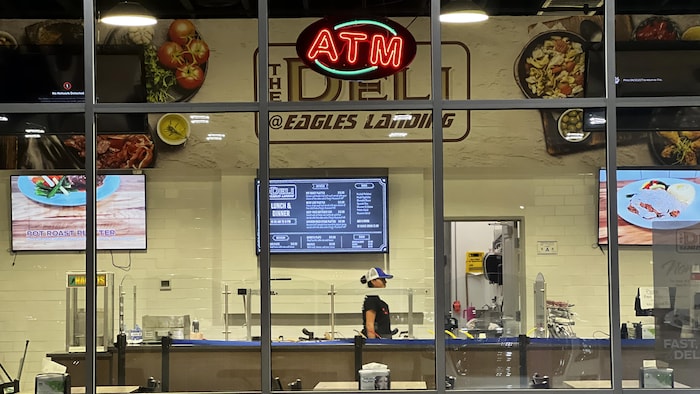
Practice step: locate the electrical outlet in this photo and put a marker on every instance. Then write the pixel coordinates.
(547, 247)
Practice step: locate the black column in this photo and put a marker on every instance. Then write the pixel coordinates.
(121, 359)
(166, 342)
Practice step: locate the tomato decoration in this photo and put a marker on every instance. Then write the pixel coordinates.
(190, 76)
(181, 31)
(197, 51)
(186, 54)
(171, 55)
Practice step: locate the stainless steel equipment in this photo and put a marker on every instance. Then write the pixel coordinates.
(540, 290)
(75, 311)
(156, 327)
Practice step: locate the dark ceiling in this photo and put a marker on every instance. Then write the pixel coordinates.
(201, 9)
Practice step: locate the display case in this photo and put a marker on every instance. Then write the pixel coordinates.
(75, 311)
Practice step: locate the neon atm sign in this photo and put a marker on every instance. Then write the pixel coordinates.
(356, 49)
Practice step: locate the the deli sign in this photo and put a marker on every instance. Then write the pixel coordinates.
(356, 49)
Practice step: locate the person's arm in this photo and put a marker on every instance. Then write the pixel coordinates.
(370, 317)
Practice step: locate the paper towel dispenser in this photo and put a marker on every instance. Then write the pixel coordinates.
(493, 268)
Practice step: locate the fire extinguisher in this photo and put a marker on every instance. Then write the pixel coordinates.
(456, 306)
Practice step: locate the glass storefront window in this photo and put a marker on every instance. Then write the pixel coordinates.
(360, 208)
(184, 57)
(163, 187)
(179, 255)
(517, 243)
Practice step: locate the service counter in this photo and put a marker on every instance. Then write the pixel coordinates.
(206, 365)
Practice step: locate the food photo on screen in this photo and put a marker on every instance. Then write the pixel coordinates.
(48, 212)
(650, 200)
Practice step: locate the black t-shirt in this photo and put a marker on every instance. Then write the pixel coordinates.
(382, 323)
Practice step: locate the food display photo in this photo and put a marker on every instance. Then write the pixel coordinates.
(117, 151)
(656, 28)
(175, 58)
(552, 65)
(652, 200)
(67, 151)
(675, 147)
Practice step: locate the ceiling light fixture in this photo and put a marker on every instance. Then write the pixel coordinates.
(462, 11)
(128, 13)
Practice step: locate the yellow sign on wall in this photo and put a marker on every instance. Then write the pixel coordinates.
(80, 280)
(475, 262)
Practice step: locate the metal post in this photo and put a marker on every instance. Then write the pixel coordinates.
(135, 322)
(226, 294)
(540, 299)
(70, 327)
(410, 313)
(249, 315)
(107, 318)
(332, 294)
(122, 327)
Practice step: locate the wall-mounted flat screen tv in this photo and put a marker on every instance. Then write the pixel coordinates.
(643, 70)
(327, 215)
(650, 200)
(48, 212)
(55, 73)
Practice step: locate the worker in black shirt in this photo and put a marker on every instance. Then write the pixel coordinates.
(376, 319)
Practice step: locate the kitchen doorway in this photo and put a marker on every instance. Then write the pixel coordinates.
(485, 276)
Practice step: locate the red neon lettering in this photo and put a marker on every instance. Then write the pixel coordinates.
(323, 44)
(386, 54)
(353, 40)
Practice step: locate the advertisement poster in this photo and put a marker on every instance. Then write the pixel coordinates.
(676, 259)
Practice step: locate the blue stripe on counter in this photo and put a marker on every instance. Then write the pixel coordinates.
(512, 341)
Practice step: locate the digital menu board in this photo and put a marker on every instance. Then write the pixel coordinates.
(330, 215)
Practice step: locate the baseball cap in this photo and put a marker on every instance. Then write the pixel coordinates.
(377, 273)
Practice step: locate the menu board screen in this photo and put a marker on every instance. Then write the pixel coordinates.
(332, 215)
(48, 212)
